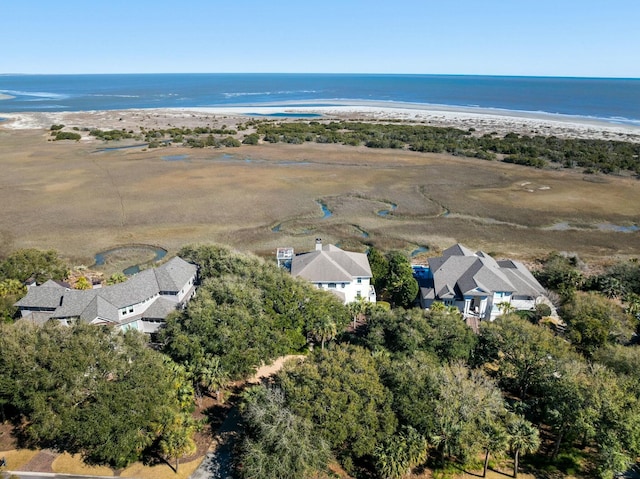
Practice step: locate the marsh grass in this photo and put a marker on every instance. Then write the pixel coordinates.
(126, 256)
(62, 196)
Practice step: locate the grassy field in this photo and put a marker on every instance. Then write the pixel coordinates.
(65, 195)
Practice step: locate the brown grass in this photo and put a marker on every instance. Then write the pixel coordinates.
(161, 471)
(64, 195)
(16, 458)
(73, 464)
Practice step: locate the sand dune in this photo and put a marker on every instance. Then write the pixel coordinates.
(482, 120)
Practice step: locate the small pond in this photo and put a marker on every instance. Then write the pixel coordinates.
(175, 157)
(325, 210)
(619, 228)
(363, 232)
(387, 212)
(418, 250)
(103, 257)
(116, 148)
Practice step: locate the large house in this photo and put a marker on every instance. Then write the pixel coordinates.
(344, 273)
(142, 302)
(477, 284)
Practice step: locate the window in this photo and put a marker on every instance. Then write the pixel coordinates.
(449, 302)
(124, 312)
(131, 310)
(358, 294)
(343, 285)
(332, 285)
(359, 280)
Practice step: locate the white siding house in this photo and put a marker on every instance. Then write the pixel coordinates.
(344, 273)
(476, 283)
(142, 302)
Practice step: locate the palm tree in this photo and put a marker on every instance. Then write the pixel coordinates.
(494, 437)
(176, 439)
(524, 438)
(11, 287)
(116, 278)
(212, 375)
(506, 307)
(612, 287)
(324, 329)
(633, 304)
(396, 457)
(356, 308)
(82, 283)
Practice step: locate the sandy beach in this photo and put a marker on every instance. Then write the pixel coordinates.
(481, 120)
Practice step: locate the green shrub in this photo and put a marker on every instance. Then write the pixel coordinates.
(67, 135)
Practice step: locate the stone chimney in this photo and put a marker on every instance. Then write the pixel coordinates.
(318, 244)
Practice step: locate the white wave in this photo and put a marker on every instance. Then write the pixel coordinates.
(38, 94)
(266, 93)
(115, 96)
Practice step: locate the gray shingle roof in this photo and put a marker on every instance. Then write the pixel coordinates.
(331, 264)
(174, 274)
(74, 302)
(104, 303)
(159, 309)
(525, 283)
(140, 286)
(99, 308)
(42, 297)
(460, 272)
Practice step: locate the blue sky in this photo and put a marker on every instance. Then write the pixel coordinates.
(499, 37)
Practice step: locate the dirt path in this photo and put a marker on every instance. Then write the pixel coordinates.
(218, 463)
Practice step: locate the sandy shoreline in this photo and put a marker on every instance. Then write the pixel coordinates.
(482, 120)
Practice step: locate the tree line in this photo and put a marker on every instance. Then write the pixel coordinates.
(413, 388)
(592, 155)
(406, 389)
(605, 156)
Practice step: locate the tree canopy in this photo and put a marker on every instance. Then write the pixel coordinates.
(24, 264)
(248, 312)
(393, 277)
(85, 389)
(341, 393)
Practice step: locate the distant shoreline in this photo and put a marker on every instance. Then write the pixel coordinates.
(482, 120)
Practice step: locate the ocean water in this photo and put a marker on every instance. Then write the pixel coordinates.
(614, 100)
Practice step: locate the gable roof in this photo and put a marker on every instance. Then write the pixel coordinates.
(103, 303)
(174, 274)
(459, 272)
(331, 264)
(45, 297)
(159, 309)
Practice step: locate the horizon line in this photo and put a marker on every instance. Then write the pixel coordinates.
(586, 77)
